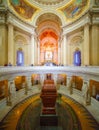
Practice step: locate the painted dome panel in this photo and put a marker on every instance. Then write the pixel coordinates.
(75, 9)
(22, 8)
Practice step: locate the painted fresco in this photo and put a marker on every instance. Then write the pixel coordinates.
(23, 8)
(75, 8)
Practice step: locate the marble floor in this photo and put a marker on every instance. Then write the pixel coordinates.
(71, 116)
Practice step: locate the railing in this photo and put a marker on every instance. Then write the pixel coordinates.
(87, 72)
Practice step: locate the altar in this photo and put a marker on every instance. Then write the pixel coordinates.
(49, 63)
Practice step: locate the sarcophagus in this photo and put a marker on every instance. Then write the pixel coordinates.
(48, 81)
(48, 96)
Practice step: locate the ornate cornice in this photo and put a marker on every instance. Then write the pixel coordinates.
(12, 19)
(86, 19)
(49, 4)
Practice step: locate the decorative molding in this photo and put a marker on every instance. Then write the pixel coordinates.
(49, 4)
(95, 20)
(20, 24)
(78, 24)
(76, 39)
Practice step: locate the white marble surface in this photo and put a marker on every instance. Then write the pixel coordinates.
(86, 72)
(20, 96)
(93, 108)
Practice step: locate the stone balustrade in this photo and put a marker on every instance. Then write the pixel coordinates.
(87, 72)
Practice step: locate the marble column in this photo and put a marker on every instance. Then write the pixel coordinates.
(69, 54)
(10, 44)
(42, 53)
(35, 52)
(59, 54)
(28, 84)
(95, 45)
(68, 81)
(42, 77)
(64, 50)
(55, 79)
(38, 48)
(70, 85)
(67, 51)
(86, 48)
(32, 49)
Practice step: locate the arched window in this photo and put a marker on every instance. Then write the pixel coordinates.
(77, 57)
(20, 57)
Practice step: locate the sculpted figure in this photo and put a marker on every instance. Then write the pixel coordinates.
(86, 93)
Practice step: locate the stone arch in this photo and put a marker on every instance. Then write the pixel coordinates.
(58, 14)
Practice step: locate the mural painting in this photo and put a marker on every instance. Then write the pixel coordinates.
(75, 8)
(23, 8)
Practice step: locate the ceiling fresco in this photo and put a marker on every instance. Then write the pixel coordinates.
(71, 10)
(75, 9)
(23, 8)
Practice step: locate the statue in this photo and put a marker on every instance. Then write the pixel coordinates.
(70, 86)
(86, 93)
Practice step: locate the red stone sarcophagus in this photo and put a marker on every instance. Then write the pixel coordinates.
(48, 96)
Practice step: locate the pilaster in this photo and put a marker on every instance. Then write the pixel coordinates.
(59, 53)
(38, 50)
(95, 46)
(10, 43)
(32, 49)
(86, 49)
(64, 50)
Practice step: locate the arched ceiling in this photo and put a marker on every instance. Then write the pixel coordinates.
(47, 22)
(48, 16)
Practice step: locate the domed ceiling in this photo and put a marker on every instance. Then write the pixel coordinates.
(69, 10)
